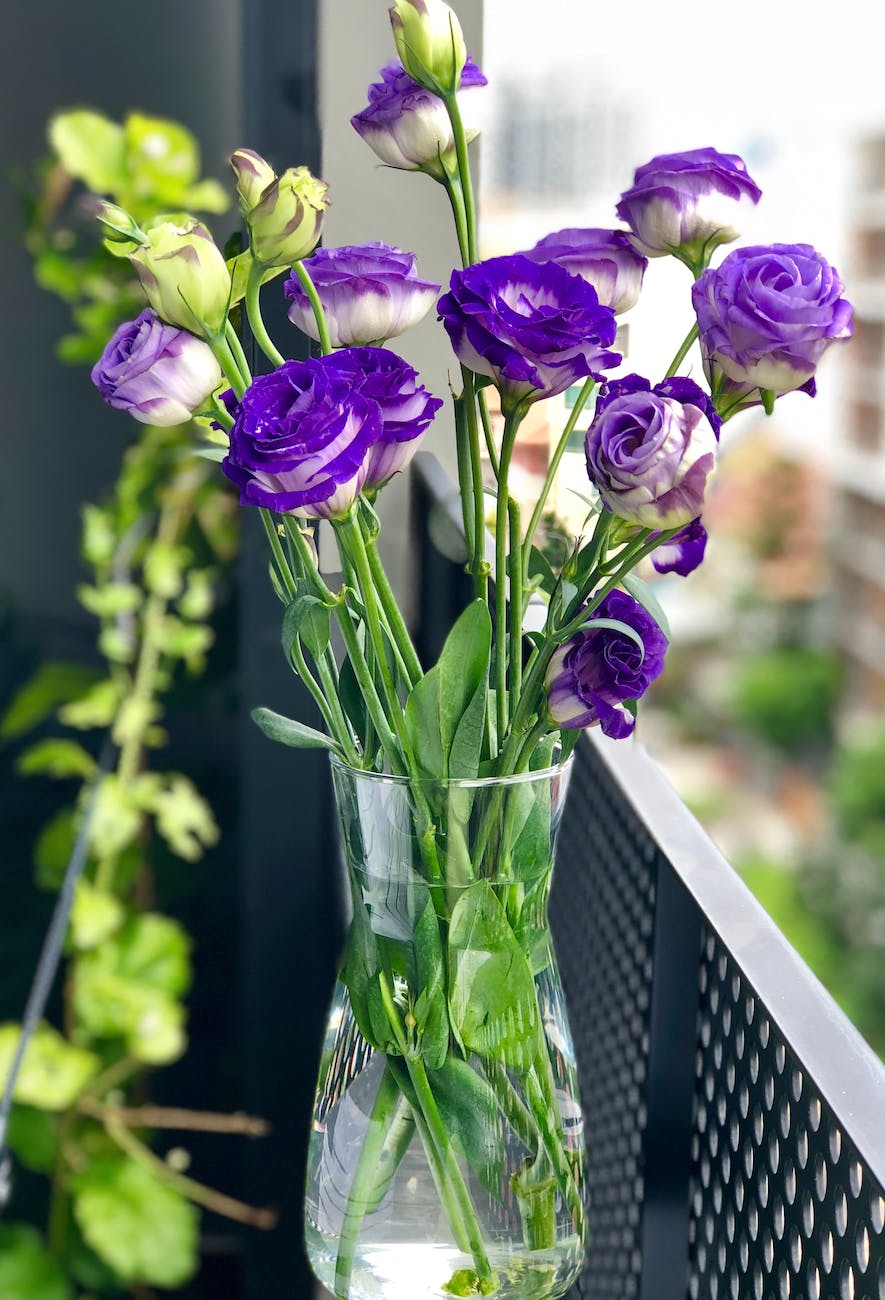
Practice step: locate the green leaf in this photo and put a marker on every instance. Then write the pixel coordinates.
(112, 600)
(53, 849)
(96, 707)
(116, 820)
(53, 1073)
(430, 1006)
(91, 147)
(163, 158)
(129, 988)
(470, 1113)
(287, 731)
(52, 684)
(308, 618)
(57, 758)
(145, 1230)
(641, 591)
(27, 1270)
(33, 1138)
(164, 568)
(95, 916)
(99, 540)
(352, 697)
(492, 1002)
(360, 974)
(445, 711)
(540, 568)
(206, 196)
(182, 815)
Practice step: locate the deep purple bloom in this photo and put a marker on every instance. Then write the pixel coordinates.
(408, 126)
(690, 201)
(407, 408)
(604, 258)
(767, 314)
(301, 440)
(650, 450)
(534, 328)
(599, 668)
(684, 552)
(369, 292)
(158, 373)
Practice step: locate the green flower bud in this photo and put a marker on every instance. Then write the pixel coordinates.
(285, 225)
(184, 276)
(430, 43)
(120, 226)
(253, 175)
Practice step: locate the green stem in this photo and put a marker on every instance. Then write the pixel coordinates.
(319, 314)
(489, 437)
(233, 342)
(454, 110)
(226, 359)
(361, 1197)
(541, 1093)
(582, 400)
(392, 612)
(685, 347)
(511, 426)
(456, 198)
(256, 320)
(479, 565)
(514, 566)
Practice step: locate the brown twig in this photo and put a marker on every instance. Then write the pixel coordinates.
(176, 1117)
(252, 1215)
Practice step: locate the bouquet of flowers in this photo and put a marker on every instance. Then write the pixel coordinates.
(448, 1035)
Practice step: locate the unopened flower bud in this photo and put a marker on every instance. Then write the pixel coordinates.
(429, 42)
(253, 176)
(120, 226)
(285, 225)
(184, 276)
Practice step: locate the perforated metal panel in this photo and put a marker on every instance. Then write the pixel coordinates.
(782, 1206)
(602, 915)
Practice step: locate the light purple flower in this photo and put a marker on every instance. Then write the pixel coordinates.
(604, 258)
(599, 668)
(651, 450)
(407, 408)
(684, 552)
(369, 292)
(534, 329)
(689, 201)
(407, 126)
(156, 372)
(301, 440)
(767, 314)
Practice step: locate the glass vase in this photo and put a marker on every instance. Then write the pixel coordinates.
(447, 1152)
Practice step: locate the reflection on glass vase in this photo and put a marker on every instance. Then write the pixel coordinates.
(447, 1152)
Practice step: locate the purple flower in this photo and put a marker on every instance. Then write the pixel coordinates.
(599, 668)
(158, 373)
(535, 329)
(604, 258)
(650, 450)
(767, 314)
(408, 126)
(301, 440)
(407, 408)
(684, 552)
(369, 292)
(689, 201)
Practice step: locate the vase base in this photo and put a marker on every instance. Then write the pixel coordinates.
(426, 1271)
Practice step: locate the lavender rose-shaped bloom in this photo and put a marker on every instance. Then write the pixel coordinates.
(158, 373)
(407, 408)
(604, 258)
(767, 314)
(650, 450)
(407, 126)
(533, 328)
(689, 201)
(301, 440)
(684, 552)
(599, 668)
(369, 292)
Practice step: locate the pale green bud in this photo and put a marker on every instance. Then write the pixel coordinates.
(184, 276)
(430, 43)
(285, 225)
(121, 227)
(253, 174)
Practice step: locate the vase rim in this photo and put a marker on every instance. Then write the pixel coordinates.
(462, 783)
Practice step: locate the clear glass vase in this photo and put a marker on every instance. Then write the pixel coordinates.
(447, 1152)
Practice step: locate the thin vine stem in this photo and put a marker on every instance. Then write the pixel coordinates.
(256, 320)
(582, 400)
(319, 314)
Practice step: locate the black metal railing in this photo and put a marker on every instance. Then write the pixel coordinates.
(735, 1119)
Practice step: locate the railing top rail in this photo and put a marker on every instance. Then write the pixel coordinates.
(845, 1069)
